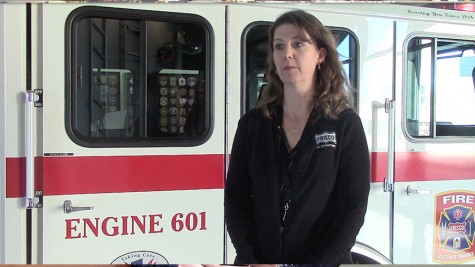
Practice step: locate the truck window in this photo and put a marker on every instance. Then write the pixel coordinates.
(256, 52)
(138, 78)
(440, 88)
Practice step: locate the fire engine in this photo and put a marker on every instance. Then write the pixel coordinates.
(116, 122)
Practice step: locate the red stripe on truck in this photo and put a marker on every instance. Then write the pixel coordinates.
(106, 174)
(423, 166)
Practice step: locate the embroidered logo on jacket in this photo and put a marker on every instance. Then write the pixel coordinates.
(325, 139)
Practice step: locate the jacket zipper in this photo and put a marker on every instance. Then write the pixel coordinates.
(286, 207)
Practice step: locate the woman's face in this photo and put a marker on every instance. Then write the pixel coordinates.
(296, 60)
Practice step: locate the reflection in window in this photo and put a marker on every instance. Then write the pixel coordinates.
(440, 95)
(139, 80)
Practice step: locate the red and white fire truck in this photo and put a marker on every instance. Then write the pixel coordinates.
(116, 122)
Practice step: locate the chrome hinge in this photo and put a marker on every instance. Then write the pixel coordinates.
(388, 104)
(387, 186)
(39, 100)
(36, 202)
(39, 196)
(35, 96)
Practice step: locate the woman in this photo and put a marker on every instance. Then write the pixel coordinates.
(298, 180)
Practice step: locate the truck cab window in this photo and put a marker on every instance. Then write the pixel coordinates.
(138, 79)
(440, 92)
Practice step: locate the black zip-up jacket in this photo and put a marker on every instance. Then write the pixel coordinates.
(330, 187)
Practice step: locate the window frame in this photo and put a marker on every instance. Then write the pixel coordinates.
(434, 128)
(71, 44)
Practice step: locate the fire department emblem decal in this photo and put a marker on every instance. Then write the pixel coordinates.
(454, 227)
(140, 258)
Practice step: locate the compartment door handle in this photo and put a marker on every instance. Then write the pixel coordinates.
(68, 207)
(411, 191)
